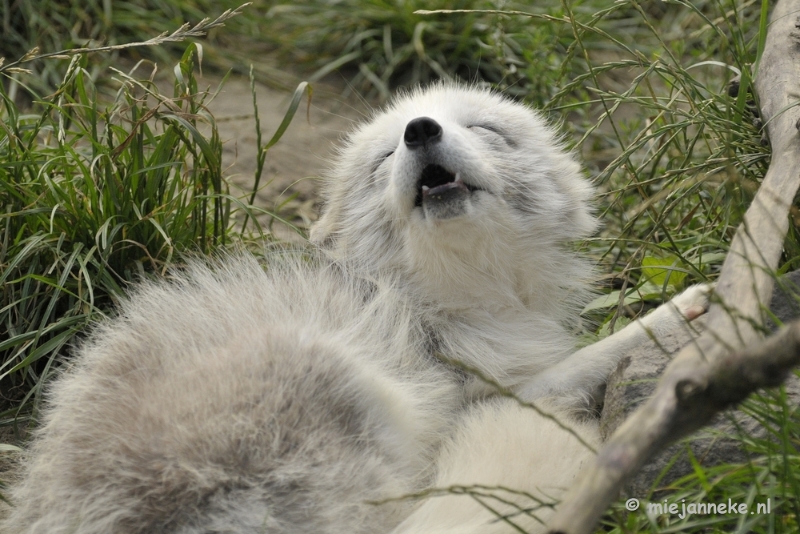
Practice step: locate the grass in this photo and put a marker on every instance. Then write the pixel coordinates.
(97, 193)
(687, 156)
(378, 44)
(93, 199)
(100, 195)
(51, 25)
(383, 44)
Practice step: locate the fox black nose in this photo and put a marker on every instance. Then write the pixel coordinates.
(422, 131)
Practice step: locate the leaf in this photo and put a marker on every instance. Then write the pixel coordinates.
(662, 272)
(611, 299)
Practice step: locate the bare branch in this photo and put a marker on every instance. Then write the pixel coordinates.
(688, 396)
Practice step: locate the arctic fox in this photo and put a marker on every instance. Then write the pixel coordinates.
(316, 394)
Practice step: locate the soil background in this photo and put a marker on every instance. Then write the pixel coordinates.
(296, 163)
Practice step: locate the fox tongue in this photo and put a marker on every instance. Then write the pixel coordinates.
(458, 183)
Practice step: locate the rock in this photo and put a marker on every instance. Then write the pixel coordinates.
(785, 303)
(634, 381)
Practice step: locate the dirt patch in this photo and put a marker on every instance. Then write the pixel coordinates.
(294, 165)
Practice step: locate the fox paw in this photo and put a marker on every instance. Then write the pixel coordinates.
(693, 302)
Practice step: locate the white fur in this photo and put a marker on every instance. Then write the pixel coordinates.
(308, 396)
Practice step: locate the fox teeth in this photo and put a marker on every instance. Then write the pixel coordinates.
(425, 188)
(458, 179)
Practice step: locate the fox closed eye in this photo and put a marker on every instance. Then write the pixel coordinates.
(492, 130)
(484, 127)
(381, 160)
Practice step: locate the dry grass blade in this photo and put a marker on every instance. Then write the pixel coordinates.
(181, 34)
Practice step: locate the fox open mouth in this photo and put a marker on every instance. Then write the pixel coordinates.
(438, 183)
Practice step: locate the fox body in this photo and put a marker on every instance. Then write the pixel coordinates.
(311, 394)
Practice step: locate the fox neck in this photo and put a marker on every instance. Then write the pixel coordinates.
(498, 270)
(476, 271)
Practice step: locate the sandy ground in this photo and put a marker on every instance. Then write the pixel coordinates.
(294, 165)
